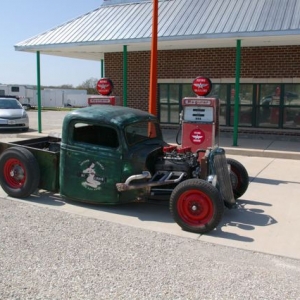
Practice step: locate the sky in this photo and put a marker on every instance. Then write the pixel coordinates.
(23, 19)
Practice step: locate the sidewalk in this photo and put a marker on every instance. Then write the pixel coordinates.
(258, 145)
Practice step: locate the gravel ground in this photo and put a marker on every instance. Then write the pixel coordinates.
(48, 254)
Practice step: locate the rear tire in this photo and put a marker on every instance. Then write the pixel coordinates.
(196, 206)
(19, 172)
(239, 178)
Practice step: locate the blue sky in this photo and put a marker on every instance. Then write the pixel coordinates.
(22, 19)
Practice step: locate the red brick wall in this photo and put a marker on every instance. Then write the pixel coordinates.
(257, 62)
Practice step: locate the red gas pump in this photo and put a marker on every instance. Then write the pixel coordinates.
(200, 117)
(104, 88)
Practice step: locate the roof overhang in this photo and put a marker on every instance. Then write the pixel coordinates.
(96, 50)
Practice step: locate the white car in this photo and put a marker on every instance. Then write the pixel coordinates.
(12, 114)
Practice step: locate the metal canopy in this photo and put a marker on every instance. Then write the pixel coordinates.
(183, 24)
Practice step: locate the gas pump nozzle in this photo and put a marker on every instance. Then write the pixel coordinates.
(180, 117)
(179, 129)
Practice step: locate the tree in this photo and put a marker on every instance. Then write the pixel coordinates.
(89, 85)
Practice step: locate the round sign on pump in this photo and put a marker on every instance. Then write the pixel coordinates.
(104, 86)
(197, 136)
(201, 86)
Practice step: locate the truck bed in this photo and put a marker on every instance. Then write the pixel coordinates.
(47, 152)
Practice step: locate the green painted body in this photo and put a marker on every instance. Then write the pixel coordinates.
(94, 154)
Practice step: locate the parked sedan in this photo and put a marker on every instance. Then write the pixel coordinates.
(12, 114)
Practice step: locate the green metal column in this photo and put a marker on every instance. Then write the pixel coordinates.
(125, 75)
(39, 91)
(102, 68)
(237, 92)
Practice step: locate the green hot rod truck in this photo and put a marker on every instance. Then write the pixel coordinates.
(113, 155)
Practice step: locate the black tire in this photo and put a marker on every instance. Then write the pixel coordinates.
(239, 178)
(19, 172)
(196, 206)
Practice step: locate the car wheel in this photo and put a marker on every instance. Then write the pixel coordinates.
(196, 206)
(19, 172)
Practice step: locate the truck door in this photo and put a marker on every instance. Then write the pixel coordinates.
(90, 163)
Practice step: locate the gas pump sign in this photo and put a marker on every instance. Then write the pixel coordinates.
(104, 87)
(201, 86)
(197, 136)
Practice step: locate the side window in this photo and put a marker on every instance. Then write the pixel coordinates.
(95, 135)
(15, 89)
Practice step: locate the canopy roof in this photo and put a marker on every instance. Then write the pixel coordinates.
(183, 24)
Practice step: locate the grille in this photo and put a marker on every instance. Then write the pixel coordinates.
(223, 176)
(11, 118)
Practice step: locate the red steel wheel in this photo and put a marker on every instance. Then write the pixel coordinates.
(14, 173)
(196, 206)
(19, 172)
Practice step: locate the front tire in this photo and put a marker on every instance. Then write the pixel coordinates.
(196, 206)
(19, 172)
(239, 178)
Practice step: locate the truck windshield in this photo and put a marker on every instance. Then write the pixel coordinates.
(142, 131)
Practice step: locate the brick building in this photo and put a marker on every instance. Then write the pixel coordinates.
(195, 37)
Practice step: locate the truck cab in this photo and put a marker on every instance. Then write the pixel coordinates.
(104, 145)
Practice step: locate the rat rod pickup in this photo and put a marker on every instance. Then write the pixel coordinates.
(113, 155)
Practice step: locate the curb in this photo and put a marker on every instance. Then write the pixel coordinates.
(262, 153)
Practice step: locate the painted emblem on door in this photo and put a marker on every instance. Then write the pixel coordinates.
(91, 173)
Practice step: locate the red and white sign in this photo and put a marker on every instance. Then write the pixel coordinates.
(198, 101)
(197, 136)
(102, 100)
(104, 86)
(201, 86)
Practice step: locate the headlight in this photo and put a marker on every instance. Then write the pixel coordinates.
(212, 179)
(24, 115)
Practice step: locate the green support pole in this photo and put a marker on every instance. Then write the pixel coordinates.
(237, 92)
(125, 75)
(39, 91)
(102, 68)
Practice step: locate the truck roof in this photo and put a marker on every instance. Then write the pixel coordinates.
(118, 115)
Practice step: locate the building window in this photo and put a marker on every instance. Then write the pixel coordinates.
(245, 104)
(169, 103)
(291, 106)
(260, 105)
(220, 91)
(268, 100)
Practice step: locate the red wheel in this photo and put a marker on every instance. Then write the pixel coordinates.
(14, 173)
(196, 206)
(19, 172)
